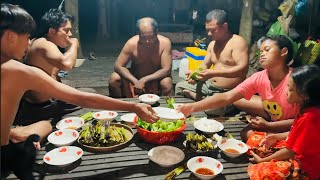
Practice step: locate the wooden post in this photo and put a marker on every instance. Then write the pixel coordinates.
(246, 20)
(71, 7)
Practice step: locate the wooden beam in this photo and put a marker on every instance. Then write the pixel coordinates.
(246, 20)
(71, 7)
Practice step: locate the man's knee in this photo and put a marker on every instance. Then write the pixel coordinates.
(166, 83)
(245, 133)
(166, 86)
(115, 80)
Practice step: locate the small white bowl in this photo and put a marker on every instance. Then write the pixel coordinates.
(63, 156)
(70, 123)
(208, 126)
(205, 162)
(79, 62)
(227, 145)
(167, 114)
(128, 118)
(105, 115)
(149, 98)
(63, 137)
(166, 156)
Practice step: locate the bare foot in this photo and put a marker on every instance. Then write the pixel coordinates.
(189, 94)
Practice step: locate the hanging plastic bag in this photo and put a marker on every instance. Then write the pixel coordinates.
(301, 7)
(276, 29)
(309, 52)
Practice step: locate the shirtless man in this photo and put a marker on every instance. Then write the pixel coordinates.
(228, 53)
(150, 56)
(15, 29)
(54, 33)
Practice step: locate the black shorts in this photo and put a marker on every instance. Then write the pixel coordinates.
(29, 113)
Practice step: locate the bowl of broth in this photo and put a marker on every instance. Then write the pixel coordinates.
(204, 167)
(232, 147)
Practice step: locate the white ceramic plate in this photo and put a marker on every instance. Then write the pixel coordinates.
(63, 156)
(166, 156)
(167, 114)
(70, 123)
(128, 117)
(204, 162)
(149, 98)
(105, 115)
(63, 137)
(208, 126)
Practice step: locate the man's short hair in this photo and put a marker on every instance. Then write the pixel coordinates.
(53, 19)
(153, 24)
(217, 14)
(16, 19)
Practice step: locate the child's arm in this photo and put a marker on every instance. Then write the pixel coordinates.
(280, 126)
(282, 154)
(271, 139)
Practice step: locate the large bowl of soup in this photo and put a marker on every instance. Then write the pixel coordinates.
(232, 147)
(205, 167)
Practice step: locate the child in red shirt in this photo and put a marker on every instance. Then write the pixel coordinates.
(301, 142)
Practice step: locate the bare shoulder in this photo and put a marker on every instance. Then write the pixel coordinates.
(133, 41)
(238, 40)
(41, 43)
(164, 40)
(16, 71)
(210, 46)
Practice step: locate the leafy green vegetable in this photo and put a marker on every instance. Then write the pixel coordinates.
(176, 172)
(169, 102)
(195, 73)
(198, 142)
(87, 116)
(160, 126)
(229, 136)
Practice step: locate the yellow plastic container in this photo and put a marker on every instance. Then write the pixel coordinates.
(195, 56)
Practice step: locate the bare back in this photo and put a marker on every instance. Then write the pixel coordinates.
(232, 57)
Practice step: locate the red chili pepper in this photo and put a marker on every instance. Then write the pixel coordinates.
(79, 152)
(200, 160)
(47, 158)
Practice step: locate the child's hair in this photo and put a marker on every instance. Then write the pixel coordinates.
(282, 42)
(307, 81)
(53, 19)
(16, 19)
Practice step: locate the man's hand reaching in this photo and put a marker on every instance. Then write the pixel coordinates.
(145, 112)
